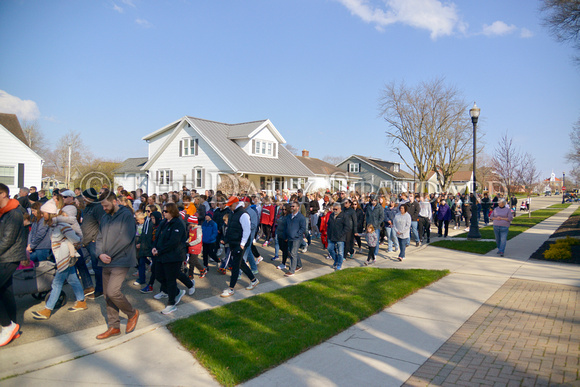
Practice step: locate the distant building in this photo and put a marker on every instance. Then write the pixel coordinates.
(130, 175)
(326, 176)
(20, 166)
(377, 175)
(553, 183)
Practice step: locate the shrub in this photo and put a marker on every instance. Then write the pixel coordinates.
(562, 249)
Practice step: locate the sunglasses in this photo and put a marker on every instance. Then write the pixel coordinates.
(148, 211)
(164, 211)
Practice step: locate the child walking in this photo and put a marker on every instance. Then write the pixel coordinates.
(372, 241)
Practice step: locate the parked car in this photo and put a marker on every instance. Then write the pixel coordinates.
(548, 193)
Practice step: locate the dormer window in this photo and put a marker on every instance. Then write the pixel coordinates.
(395, 167)
(264, 148)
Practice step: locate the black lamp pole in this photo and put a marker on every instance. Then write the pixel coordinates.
(563, 185)
(474, 227)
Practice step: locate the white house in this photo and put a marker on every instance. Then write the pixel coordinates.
(377, 175)
(20, 166)
(326, 176)
(130, 175)
(199, 154)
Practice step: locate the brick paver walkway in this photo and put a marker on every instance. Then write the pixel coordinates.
(526, 334)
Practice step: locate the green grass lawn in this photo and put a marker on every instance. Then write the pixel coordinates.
(242, 339)
(520, 224)
(478, 247)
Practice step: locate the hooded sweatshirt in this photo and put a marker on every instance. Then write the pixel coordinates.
(116, 238)
(13, 235)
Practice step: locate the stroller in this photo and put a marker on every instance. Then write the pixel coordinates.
(523, 206)
(37, 281)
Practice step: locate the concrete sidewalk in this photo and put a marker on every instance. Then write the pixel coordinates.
(385, 349)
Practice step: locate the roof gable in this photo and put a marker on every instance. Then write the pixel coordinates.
(10, 122)
(132, 165)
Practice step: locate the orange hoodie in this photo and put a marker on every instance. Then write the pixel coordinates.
(12, 204)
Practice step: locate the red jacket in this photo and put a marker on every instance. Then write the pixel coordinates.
(268, 215)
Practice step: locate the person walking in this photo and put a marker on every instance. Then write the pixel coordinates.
(294, 229)
(92, 215)
(372, 240)
(425, 219)
(13, 238)
(170, 252)
(390, 212)
(337, 234)
(375, 215)
(502, 217)
(485, 207)
(402, 226)
(238, 238)
(443, 216)
(351, 223)
(115, 247)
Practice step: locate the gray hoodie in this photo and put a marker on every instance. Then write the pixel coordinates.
(116, 238)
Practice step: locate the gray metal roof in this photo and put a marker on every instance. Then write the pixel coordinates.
(132, 165)
(219, 134)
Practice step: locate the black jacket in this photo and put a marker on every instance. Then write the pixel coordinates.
(146, 239)
(13, 236)
(350, 221)
(92, 215)
(337, 227)
(414, 209)
(360, 220)
(170, 241)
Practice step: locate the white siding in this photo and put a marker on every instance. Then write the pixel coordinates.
(206, 159)
(14, 152)
(131, 181)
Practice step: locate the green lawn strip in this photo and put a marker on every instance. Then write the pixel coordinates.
(242, 339)
(577, 212)
(478, 247)
(519, 224)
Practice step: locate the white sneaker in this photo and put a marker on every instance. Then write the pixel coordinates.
(191, 289)
(228, 292)
(169, 309)
(258, 260)
(455, 227)
(467, 229)
(160, 295)
(281, 267)
(179, 296)
(253, 284)
(9, 333)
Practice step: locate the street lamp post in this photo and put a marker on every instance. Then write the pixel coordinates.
(474, 227)
(563, 186)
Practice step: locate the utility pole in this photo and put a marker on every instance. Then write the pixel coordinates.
(68, 177)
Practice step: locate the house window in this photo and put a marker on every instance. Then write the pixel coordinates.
(6, 175)
(165, 177)
(354, 167)
(188, 147)
(296, 183)
(261, 147)
(198, 177)
(396, 168)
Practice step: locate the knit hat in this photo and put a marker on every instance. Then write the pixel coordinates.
(91, 193)
(49, 207)
(232, 200)
(33, 197)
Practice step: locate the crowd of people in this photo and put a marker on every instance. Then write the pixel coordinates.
(163, 237)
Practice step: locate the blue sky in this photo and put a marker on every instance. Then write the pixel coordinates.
(118, 70)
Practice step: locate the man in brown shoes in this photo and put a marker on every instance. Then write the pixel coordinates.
(115, 247)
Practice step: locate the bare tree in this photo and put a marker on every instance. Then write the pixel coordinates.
(529, 173)
(333, 159)
(484, 169)
(291, 149)
(573, 155)
(35, 137)
(430, 121)
(562, 17)
(57, 159)
(507, 161)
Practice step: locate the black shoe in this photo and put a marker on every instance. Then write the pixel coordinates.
(417, 244)
(428, 240)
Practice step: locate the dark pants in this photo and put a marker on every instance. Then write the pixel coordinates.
(160, 275)
(209, 252)
(283, 244)
(92, 249)
(7, 302)
(153, 275)
(267, 231)
(169, 271)
(113, 279)
(441, 223)
(371, 255)
(83, 271)
(349, 243)
(424, 227)
(238, 263)
(142, 270)
(359, 241)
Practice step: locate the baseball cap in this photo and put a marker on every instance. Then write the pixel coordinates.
(68, 193)
(232, 200)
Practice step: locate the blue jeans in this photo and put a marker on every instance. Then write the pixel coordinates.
(415, 230)
(378, 232)
(501, 234)
(70, 275)
(92, 249)
(248, 256)
(336, 250)
(81, 266)
(486, 216)
(403, 242)
(295, 260)
(276, 247)
(392, 239)
(39, 255)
